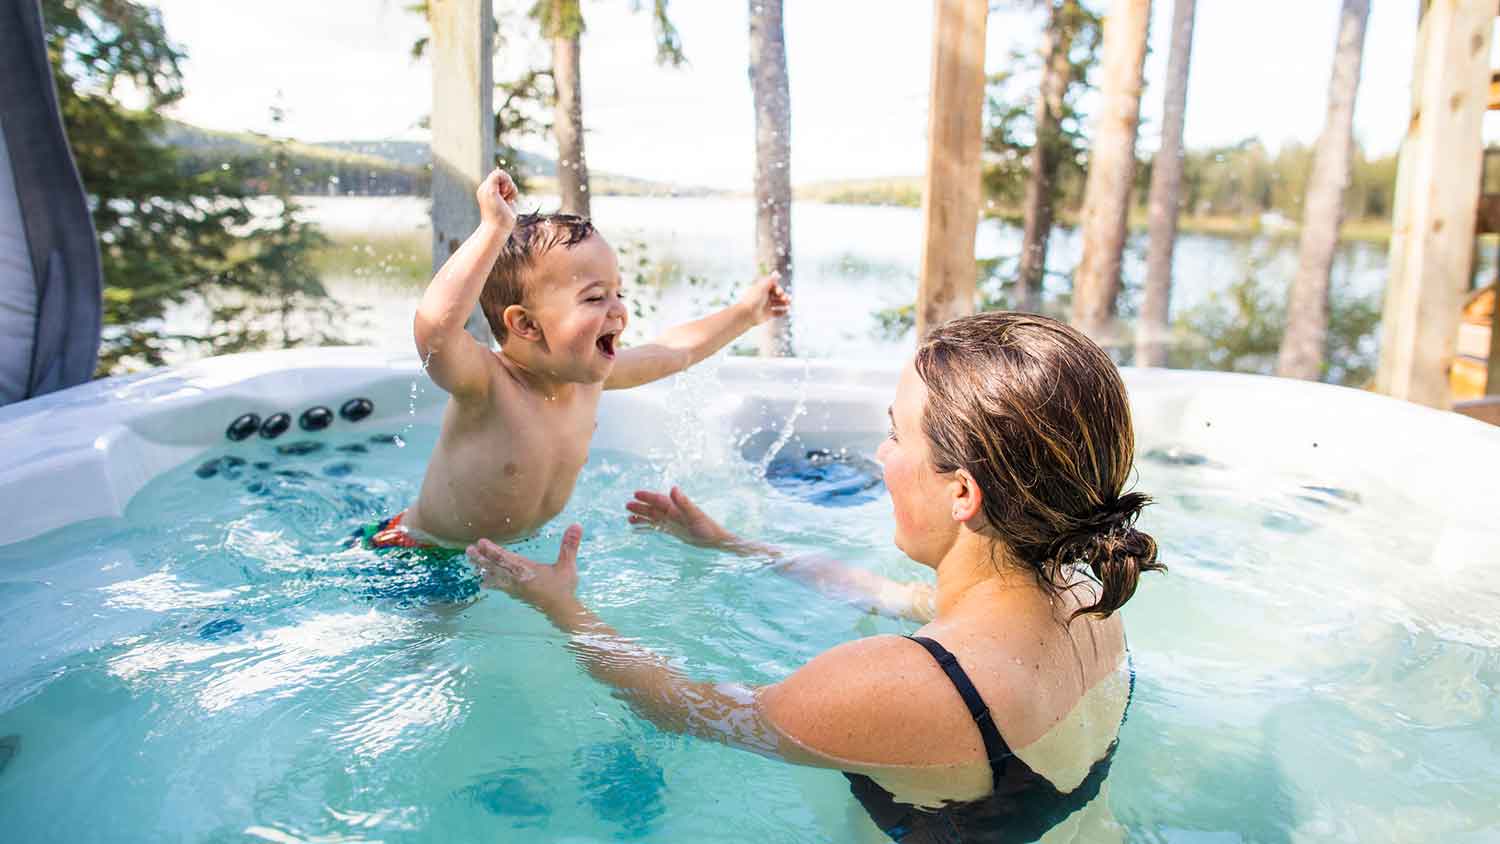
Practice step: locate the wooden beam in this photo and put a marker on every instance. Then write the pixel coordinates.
(950, 194)
(463, 125)
(1487, 217)
(1492, 379)
(1437, 199)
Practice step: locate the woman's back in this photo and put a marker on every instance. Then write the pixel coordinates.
(997, 722)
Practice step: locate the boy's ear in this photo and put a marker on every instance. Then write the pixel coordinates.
(518, 323)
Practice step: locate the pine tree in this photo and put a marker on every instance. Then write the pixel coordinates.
(168, 235)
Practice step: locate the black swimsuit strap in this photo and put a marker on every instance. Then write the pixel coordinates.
(995, 748)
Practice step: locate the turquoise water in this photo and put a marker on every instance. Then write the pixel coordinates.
(217, 666)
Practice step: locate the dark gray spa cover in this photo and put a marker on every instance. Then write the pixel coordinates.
(49, 257)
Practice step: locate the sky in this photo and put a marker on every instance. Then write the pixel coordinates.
(858, 71)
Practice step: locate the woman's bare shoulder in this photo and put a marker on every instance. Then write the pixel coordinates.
(877, 701)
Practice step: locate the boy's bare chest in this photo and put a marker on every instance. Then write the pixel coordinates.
(540, 440)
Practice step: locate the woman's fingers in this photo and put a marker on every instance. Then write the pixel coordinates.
(499, 565)
(686, 504)
(653, 499)
(567, 555)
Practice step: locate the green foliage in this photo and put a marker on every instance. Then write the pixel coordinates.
(1241, 180)
(994, 288)
(564, 19)
(279, 267)
(1245, 180)
(668, 42)
(168, 235)
(1011, 105)
(519, 114)
(1239, 329)
(558, 18)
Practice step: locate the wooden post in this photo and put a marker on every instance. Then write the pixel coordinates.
(1492, 377)
(950, 194)
(463, 125)
(1437, 200)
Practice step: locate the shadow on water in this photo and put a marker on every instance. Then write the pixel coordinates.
(1173, 782)
(623, 785)
(10, 748)
(518, 794)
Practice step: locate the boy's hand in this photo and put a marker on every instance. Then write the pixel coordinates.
(497, 197)
(766, 299)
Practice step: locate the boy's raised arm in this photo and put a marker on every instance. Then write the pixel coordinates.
(683, 345)
(453, 359)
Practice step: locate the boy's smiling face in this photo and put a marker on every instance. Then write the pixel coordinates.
(578, 305)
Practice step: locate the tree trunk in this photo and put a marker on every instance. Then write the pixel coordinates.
(1106, 196)
(463, 129)
(773, 165)
(1302, 347)
(1165, 202)
(1042, 163)
(567, 121)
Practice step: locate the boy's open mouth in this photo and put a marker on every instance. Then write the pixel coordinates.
(606, 344)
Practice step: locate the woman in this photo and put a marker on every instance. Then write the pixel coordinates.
(1009, 451)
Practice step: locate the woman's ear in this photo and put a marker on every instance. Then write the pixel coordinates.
(518, 323)
(968, 500)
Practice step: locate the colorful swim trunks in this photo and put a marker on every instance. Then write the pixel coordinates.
(390, 534)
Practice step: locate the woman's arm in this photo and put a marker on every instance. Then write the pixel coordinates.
(724, 712)
(805, 719)
(676, 514)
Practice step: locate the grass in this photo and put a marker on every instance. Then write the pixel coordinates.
(404, 257)
(903, 192)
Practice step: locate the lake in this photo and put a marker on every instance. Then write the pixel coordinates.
(849, 262)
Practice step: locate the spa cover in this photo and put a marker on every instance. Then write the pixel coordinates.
(49, 257)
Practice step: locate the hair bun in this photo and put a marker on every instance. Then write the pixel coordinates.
(1118, 553)
(1119, 515)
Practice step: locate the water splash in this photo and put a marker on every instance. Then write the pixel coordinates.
(788, 426)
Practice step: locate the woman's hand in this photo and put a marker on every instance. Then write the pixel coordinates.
(551, 589)
(676, 514)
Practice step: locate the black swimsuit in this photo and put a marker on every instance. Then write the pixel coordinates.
(1022, 807)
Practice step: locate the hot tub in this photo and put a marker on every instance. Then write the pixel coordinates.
(192, 652)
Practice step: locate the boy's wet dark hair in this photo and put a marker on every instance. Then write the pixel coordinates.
(533, 236)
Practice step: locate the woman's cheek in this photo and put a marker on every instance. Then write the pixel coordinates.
(896, 483)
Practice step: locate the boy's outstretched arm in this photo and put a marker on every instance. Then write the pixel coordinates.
(682, 346)
(453, 359)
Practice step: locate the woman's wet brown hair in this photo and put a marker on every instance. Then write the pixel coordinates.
(1037, 414)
